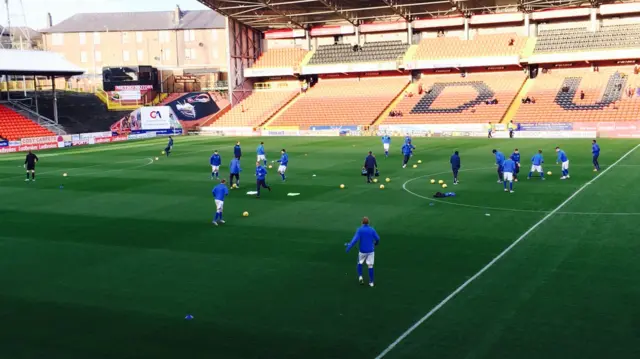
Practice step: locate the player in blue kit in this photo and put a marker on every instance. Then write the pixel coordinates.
(169, 147)
(564, 160)
(386, 143)
(237, 151)
(499, 163)
(284, 161)
(261, 154)
(407, 141)
(508, 169)
(368, 239)
(595, 151)
(407, 149)
(219, 193)
(215, 162)
(536, 165)
(234, 171)
(455, 166)
(261, 174)
(515, 156)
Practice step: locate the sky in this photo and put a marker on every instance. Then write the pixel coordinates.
(35, 11)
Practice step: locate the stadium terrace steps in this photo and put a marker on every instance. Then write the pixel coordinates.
(255, 109)
(411, 87)
(284, 57)
(455, 99)
(622, 36)
(606, 96)
(515, 104)
(14, 126)
(282, 110)
(342, 102)
(480, 46)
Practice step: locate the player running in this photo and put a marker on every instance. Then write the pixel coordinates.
(455, 166)
(261, 174)
(595, 151)
(167, 150)
(407, 150)
(386, 143)
(368, 238)
(284, 161)
(515, 156)
(562, 158)
(219, 193)
(234, 171)
(30, 165)
(407, 141)
(499, 164)
(536, 165)
(215, 162)
(508, 169)
(260, 153)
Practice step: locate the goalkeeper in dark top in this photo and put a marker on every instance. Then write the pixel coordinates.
(30, 165)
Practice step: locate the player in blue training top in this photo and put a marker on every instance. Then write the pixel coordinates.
(407, 150)
(407, 141)
(219, 193)
(169, 147)
(564, 160)
(237, 151)
(261, 174)
(515, 156)
(234, 171)
(536, 165)
(284, 161)
(261, 155)
(508, 169)
(368, 238)
(499, 163)
(595, 151)
(455, 166)
(386, 143)
(215, 162)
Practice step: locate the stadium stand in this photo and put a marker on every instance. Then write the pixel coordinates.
(454, 99)
(255, 109)
(578, 95)
(620, 36)
(368, 52)
(507, 44)
(286, 57)
(343, 102)
(14, 126)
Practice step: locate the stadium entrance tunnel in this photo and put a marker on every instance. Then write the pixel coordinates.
(570, 85)
(425, 103)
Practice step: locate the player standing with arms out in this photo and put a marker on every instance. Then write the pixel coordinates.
(215, 162)
(167, 150)
(261, 155)
(30, 165)
(515, 156)
(508, 168)
(237, 151)
(455, 166)
(261, 174)
(406, 152)
(499, 164)
(564, 160)
(219, 193)
(284, 161)
(595, 151)
(536, 165)
(368, 238)
(234, 171)
(386, 143)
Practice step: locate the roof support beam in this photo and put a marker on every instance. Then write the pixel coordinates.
(272, 7)
(345, 14)
(398, 11)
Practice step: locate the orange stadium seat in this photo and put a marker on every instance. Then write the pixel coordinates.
(14, 126)
(606, 96)
(343, 102)
(289, 57)
(454, 99)
(480, 46)
(254, 110)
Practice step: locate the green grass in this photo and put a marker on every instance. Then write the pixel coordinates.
(109, 266)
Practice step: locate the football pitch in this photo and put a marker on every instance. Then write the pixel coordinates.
(108, 261)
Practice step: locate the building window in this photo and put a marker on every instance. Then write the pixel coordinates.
(96, 38)
(57, 39)
(97, 56)
(163, 36)
(214, 34)
(125, 37)
(138, 37)
(166, 55)
(83, 38)
(189, 35)
(125, 55)
(190, 54)
(83, 57)
(140, 55)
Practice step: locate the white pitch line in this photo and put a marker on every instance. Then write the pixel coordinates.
(496, 259)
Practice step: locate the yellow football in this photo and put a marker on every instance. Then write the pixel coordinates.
(270, 166)
(64, 175)
(549, 173)
(163, 152)
(157, 158)
(381, 186)
(441, 182)
(245, 214)
(388, 179)
(419, 161)
(234, 186)
(375, 180)
(444, 185)
(433, 181)
(415, 166)
(341, 186)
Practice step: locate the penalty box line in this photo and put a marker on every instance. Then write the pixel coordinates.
(496, 259)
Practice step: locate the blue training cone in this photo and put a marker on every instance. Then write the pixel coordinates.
(188, 317)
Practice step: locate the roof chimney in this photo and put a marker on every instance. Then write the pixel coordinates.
(177, 15)
(49, 20)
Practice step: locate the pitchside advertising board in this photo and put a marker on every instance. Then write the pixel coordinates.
(159, 119)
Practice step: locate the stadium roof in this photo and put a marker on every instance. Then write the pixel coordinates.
(278, 14)
(139, 21)
(42, 63)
